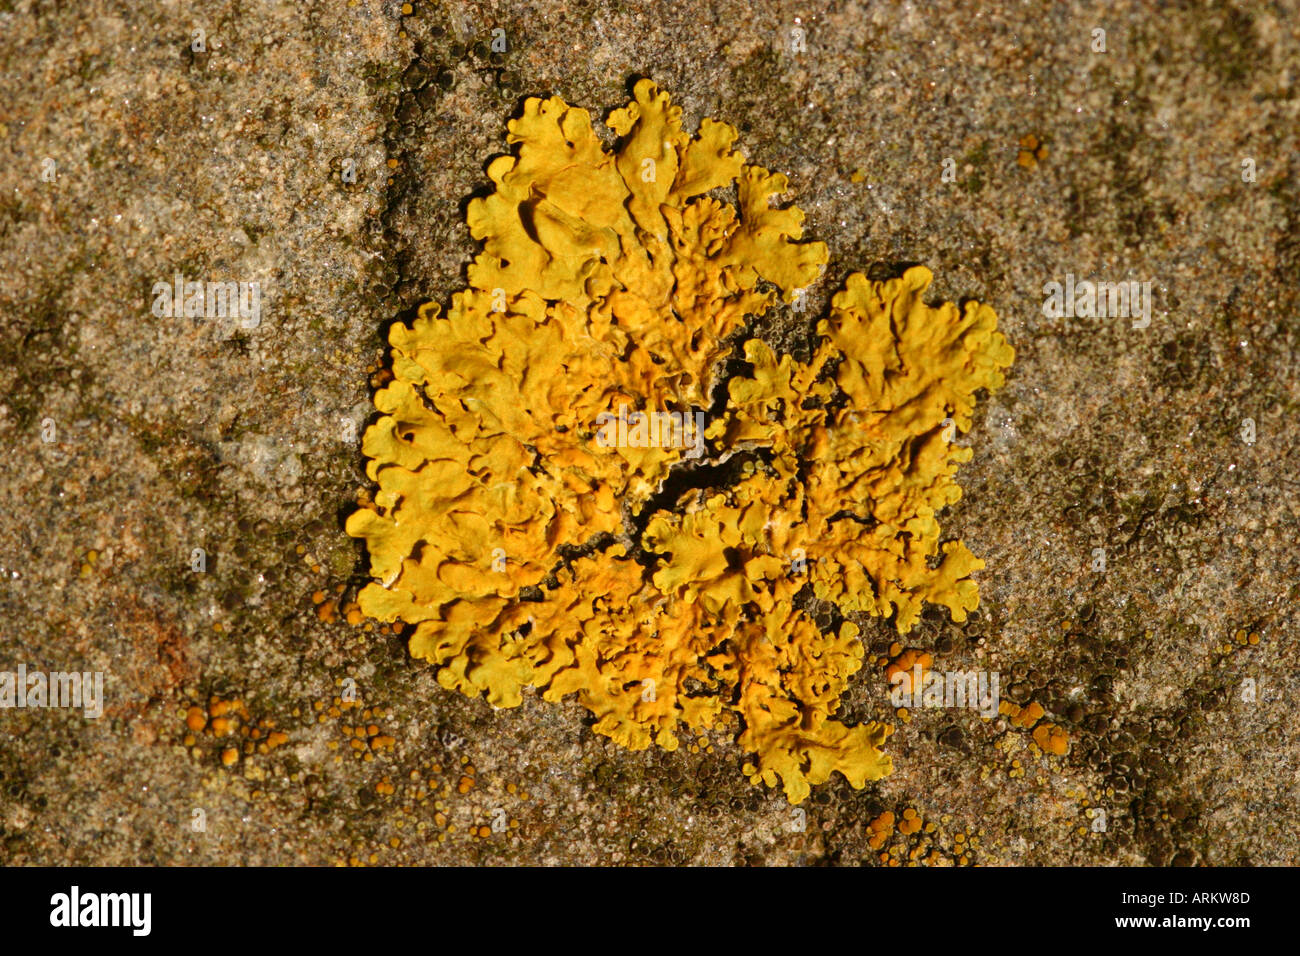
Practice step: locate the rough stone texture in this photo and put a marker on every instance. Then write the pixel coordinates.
(176, 434)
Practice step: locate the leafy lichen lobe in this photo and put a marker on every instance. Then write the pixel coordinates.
(613, 279)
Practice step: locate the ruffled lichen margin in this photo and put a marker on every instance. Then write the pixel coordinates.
(523, 552)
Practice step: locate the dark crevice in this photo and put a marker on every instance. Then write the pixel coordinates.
(690, 476)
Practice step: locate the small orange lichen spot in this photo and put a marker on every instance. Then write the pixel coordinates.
(1052, 739)
(910, 823)
(276, 738)
(385, 787)
(317, 597)
(465, 785)
(902, 672)
(353, 614)
(196, 719)
(1028, 715)
(327, 611)
(1032, 151)
(882, 828)
(577, 373)
(229, 756)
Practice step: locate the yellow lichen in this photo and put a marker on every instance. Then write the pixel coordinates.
(525, 549)
(1052, 739)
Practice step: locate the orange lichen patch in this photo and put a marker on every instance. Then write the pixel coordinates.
(915, 842)
(1243, 639)
(234, 707)
(910, 822)
(1032, 151)
(385, 787)
(223, 718)
(1023, 717)
(882, 828)
(1030, 715)
(366, 740)
(327, 607)
(615, 279)
(1052, 739)
(1049, 737)
(195, 719)
(905, 664)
